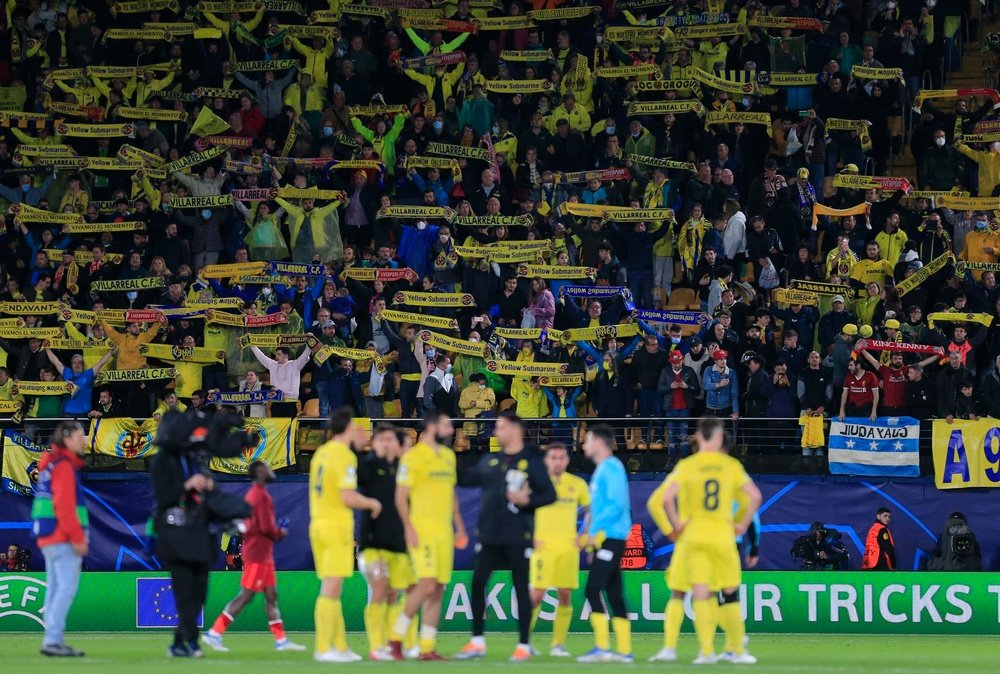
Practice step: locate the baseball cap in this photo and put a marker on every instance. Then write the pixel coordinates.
(328, 324)
(838, 298)
(720, 354)
(695, 341)
(892, 323)
(850, 168)
(850, 329)
(675, 357)
(866, 331)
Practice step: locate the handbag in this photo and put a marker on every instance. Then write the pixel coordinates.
(792, 143)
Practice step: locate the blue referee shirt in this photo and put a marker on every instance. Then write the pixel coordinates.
(611, 510)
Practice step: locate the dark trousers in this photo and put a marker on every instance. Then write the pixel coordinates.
(606, 577)
(408, 397)
(852, 410)
(491, 558)
(190, 585)
(640, 284)
(651, 405)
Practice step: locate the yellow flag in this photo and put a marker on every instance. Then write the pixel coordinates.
(208, 124)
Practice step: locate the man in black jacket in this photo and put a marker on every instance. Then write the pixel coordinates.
(514, 484)
(919, 393)
(949, 384)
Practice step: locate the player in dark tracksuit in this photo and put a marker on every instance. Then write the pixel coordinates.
(514, 484)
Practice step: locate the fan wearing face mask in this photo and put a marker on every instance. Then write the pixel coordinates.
(989, 165)
(982, 244)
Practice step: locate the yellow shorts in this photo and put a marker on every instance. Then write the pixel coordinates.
(716, 565)
(333, 554)
(678, 578)
(397, 565)
(555, 568)
(433, 558)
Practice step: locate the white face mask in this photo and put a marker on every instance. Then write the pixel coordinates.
(939, 141)
(996, 147)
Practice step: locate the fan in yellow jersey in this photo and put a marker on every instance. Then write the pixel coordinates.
(428, 508)
(704, 487)
(555, 562)
(333, 495)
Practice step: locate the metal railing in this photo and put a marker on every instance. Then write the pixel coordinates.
(765, 445)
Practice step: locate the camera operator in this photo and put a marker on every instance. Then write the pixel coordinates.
(187, 506)
(822, 549)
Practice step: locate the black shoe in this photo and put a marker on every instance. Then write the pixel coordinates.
(60, 651)
(195, 649)
(179, 651)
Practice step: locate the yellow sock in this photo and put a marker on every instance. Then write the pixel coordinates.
(623, 635)
(375, 625)
(323, 614)
(428, 639)
(560, 628)
(392, 613)
(534, 615)
(704, 624)
(338, 633)
(602, 637)
(672, 620)
(731, 621)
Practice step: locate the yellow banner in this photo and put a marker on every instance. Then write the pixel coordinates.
(416, 212)
(793, 296)
(760, 118)
(454, 345)
(546, 271)
(564, 380)
(272, 341)
(705, 32)
(95, 130)
(29, 308)
(275, 446)
(858, 126)
(924, 273)
(128, 285)
(495, 220)
(968, 203)
(194, 159)
(984, 320)
(154, 114)
(626, 72)
(600, 333)
(665, 107)
(122, 437)
(510, 368)
(215, 201)
(142, 374)
(561, 13)
(433, 299)
(965, 453)
(518, 86)
(459, 151)
(30, 333)
(869, 73)
(43, 388)
(97, 227)
(195, 354)
(233, 269)
(441, 322)
(311, 193)
(526, 55)
(6, 323)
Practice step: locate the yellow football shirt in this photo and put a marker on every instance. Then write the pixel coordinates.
(871, 271)
(555, 524)
(333, 468)
(654, 505)
(709, 483)
(429, 473)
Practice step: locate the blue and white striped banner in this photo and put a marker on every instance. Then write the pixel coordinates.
(886, 447)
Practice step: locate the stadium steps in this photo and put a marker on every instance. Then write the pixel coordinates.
(975, 66)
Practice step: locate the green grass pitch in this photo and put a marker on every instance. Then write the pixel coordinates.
(816, 654)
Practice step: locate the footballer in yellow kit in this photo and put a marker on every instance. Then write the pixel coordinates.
(334, 468)
(705, 553)
(555, 560)
(430, 475)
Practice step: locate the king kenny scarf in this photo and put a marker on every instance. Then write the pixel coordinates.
(901, 347)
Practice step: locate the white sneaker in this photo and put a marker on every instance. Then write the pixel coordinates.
(412, 653)
(743, 658)
(559, 651)
(665, 655)
(726, 656)
(596, 655)
(705, 660)
(337, 656)
(214, 641)
(535, 652)
(381, 655)
(286, 645)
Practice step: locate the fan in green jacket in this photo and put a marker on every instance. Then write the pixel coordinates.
(383, 138)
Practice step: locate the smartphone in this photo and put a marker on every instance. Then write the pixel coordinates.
(804, 113)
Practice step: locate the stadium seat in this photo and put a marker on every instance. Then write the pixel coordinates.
(311, 408)
(682, 298)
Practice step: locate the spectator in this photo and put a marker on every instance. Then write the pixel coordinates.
(861, 392)
(721, 388)
(949, 386)
(821, 549)
(678, 385)
(880, 549)
(284, 375)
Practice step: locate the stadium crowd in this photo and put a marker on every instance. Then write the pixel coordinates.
(456, 202)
